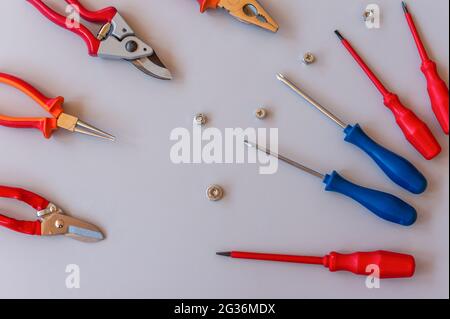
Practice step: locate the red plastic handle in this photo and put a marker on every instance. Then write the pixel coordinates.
(438, 91)
(34, 200)
(437, 88)
(51, 105)
(208, 4)
(390, 264)
(103, 16)
(414, 129)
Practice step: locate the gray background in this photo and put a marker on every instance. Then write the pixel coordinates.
(161, 231)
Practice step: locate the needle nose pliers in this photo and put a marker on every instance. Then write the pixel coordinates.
(52, 221)
(115, 40)
(247, 11)
(52, 105)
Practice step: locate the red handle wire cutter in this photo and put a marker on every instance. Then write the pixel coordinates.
(52, 105)
(115, 40)
(247, 11)
(52, 221)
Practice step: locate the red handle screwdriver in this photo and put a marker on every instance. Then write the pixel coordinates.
(390, 264)
(414, 129)
(437, 88)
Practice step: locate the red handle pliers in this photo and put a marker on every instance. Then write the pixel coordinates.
(247, 11)
(52, 221)
(52, 105)
(115, 40)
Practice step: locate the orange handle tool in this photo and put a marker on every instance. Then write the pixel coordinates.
(51, 105)
(208, 4)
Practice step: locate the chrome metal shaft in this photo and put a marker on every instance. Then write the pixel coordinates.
(87, 129)
(285, 159)
(308, 99)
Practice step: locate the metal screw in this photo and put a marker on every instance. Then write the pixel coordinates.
(200, 119)
(309, 58)
(59, 224)
(214, 192)
(261, 113)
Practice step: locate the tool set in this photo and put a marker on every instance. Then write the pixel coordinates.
(247, 11)
(52, 105)
(397, 168)
(414, 129)
(389, 264)
(437, 88)
(52, 221)
(117, 40)
(385, 206)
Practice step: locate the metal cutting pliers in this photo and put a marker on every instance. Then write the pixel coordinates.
(115, 40)
(52, 105)
(247, 11)
(52, 221)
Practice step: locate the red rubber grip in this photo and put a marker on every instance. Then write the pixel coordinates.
(438, 91)
(20, 226)
(35, 201)
(52, 105)
(414, 129)
(208, 4)
(102, 16)
(390, 264)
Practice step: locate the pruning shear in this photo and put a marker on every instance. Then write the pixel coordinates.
(247, 11)
(52, 221)
(115, 40)
(52, 105)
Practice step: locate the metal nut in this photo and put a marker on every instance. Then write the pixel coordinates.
(261, 113)
(309, 58)
(214, 192)
(200, 119)
(369, 15)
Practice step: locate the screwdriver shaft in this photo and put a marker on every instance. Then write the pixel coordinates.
(308, 99)
(286, 160)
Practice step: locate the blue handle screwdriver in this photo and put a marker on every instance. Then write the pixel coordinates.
(397, 168)
(384, 205)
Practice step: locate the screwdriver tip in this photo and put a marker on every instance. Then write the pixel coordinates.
(405, 7)
(225, 254)
(340, 36)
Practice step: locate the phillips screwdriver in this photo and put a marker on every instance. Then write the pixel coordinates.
(385, 206)
(389, 264)
(414, 129)
(397, 168)
(437, 88)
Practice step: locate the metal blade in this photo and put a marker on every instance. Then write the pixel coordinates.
(153, 66)
(83, 234)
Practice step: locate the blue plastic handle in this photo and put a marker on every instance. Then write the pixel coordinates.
(397, 168)
(383, 205)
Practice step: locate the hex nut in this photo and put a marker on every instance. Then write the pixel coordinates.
(261, 113)
(200, 119)
(309, 58)
(214, 193)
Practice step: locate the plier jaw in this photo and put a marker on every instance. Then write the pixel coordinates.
(247, 11)
(250, 12)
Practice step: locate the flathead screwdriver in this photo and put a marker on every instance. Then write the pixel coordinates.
(397, 168)
(437, 88)
(390, 264)
(414, 129)
(384, 205)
